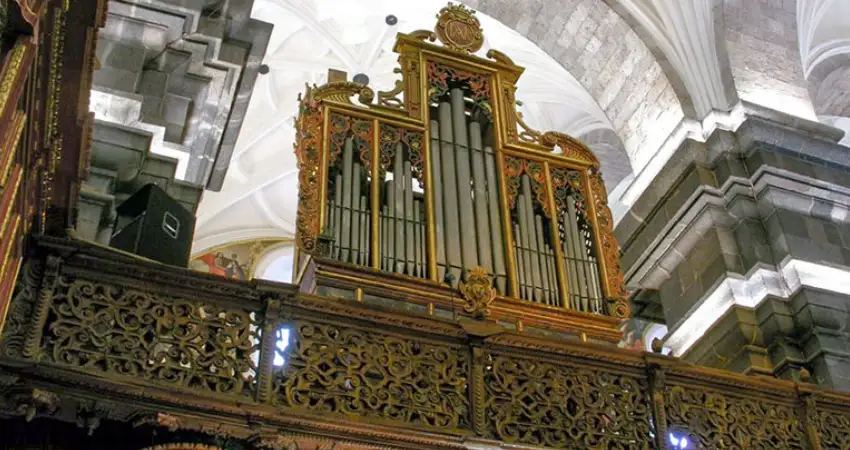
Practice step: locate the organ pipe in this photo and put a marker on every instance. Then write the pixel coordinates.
(535, 256)
(585, 292)
(409, 225)
(345, 228)
(442, 176)
(467, 215)
(355, 214)
(349, 210)
(436, 176)
(494, 209)
(449, 191)
(482, 221)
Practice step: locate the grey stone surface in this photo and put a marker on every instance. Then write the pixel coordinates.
(194, 69)
(597, 46)
(829, 86)
(121, 163)
(744, 202)
(761, 41)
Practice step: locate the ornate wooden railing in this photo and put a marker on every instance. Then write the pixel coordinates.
(46, 59)
(260, 361)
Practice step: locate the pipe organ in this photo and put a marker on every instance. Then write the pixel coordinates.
(438, 184)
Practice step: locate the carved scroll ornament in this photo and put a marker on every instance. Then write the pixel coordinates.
(336, 370)
(478, 292)
(308, 141)
(559, 406)
(714, 420)
(118, 331)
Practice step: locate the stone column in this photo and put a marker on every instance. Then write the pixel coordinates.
(742, 247)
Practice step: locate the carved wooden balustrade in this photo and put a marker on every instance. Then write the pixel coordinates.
(47, 51)
(261, 362)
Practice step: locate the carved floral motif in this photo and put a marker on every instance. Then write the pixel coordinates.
(514, 170)
(114, 330)
(343, 127)
(833, 428)
(566, 183)
(715, 420)
(440, 76)
(336, 370)
(308, 142)
(21, 309)
(390, 136)
(617, 293)
(562, 406)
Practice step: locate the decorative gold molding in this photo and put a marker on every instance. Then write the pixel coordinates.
(11, 72)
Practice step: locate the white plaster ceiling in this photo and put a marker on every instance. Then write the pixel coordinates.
(259, 196)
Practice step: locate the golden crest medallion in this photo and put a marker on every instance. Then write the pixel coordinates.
(459, 29)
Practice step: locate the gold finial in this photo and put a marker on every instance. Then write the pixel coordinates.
(478, 292)
(457, 28)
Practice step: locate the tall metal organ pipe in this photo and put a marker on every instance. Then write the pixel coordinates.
(466, 197)
(348, 210)
(467, 212)
(401, 219)
(535, 257)
(439, 225)
(585, 291)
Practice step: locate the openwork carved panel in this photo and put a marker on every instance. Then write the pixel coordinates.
(552, 405)
(343, 127)
(330, 369)
(178, 341)
(441, 76)
(514, 169)
(390, 136)
(716, 420)
(833, 427)
(567, 183)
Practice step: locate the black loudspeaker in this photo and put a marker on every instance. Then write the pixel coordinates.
(152, 224)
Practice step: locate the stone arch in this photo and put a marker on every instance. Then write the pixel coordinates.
(610, 60)
(764, 54)
(829, 86)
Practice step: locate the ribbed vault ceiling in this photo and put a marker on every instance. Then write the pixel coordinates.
(310, 36)
(631, 78)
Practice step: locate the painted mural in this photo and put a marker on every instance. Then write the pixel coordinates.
(635, 333)
(235, 261)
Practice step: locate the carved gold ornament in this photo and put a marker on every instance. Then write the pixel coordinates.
(183, 446)
(563, 174)
(459, 29)
(355, 378)
(478, 292)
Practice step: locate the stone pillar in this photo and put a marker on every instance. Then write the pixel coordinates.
(742, 247)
